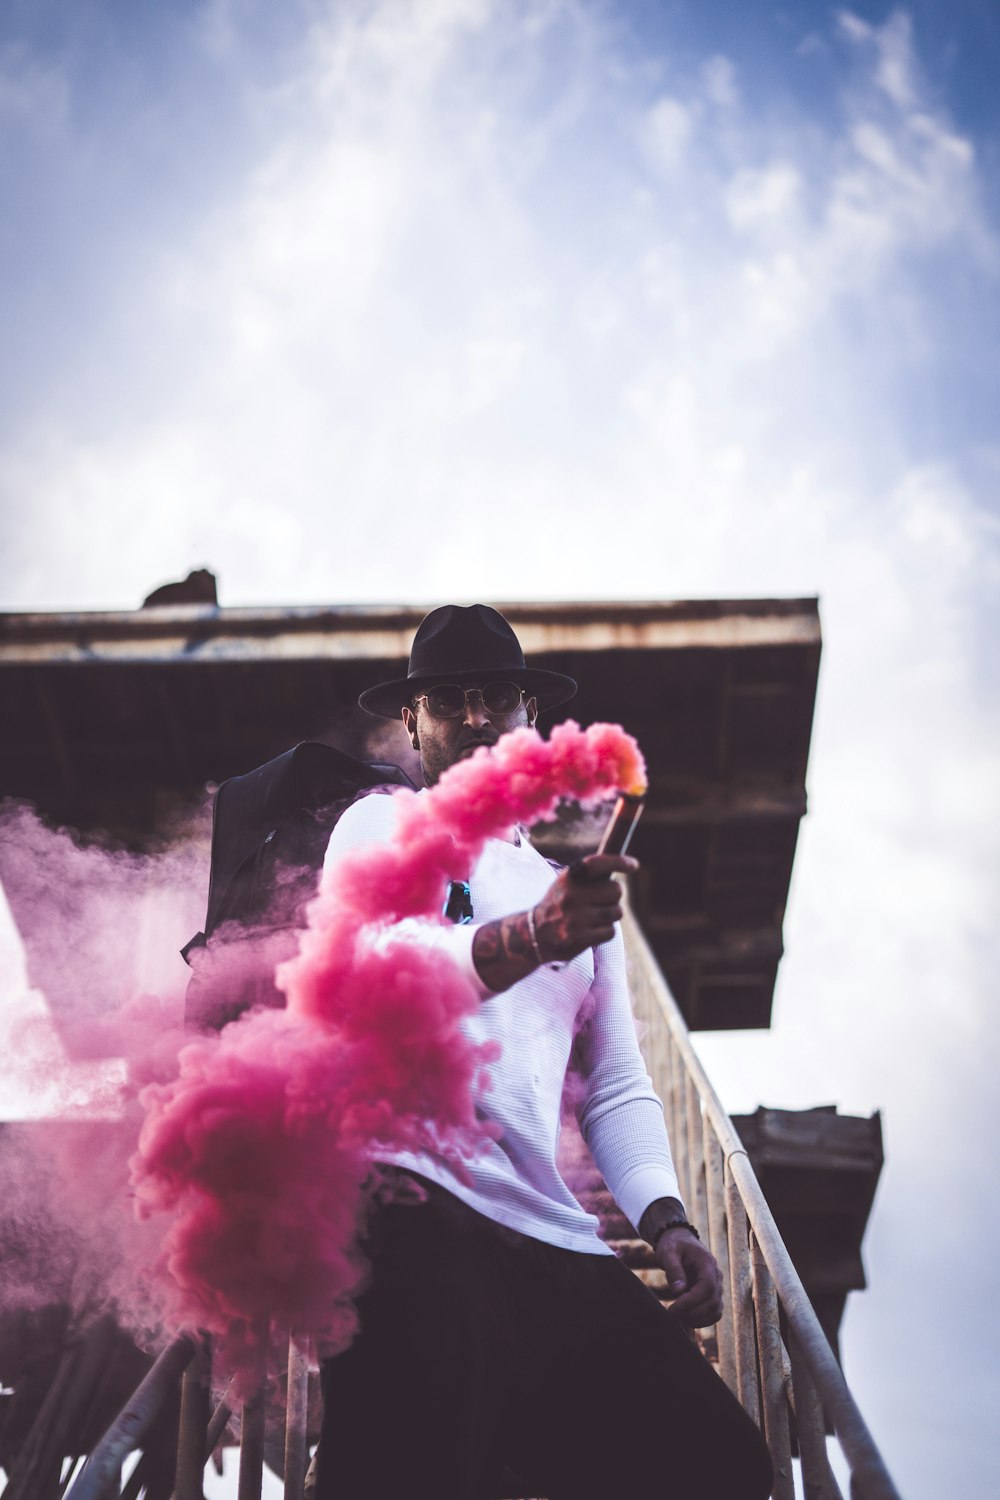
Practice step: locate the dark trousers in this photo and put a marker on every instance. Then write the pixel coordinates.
(482, 1350)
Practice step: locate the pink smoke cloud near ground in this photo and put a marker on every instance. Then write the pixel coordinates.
(91, 1011)
(258, 1151)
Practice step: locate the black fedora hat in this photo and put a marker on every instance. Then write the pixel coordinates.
(465, 643)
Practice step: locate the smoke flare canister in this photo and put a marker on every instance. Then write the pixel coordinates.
(621, 825)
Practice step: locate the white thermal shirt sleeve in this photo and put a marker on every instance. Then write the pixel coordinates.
(620, 1114)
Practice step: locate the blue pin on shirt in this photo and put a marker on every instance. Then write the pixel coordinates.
(458, 905)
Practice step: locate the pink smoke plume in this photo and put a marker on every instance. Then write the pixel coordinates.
(260, 1148)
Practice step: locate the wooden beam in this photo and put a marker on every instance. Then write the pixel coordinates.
(202, 633)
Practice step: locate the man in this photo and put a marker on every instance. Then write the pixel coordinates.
(499, 1335)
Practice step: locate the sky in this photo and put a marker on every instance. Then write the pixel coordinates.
(518, 299)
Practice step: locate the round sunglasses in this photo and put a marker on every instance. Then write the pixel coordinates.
(448, 700)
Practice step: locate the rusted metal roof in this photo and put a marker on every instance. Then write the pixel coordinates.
(114, 719)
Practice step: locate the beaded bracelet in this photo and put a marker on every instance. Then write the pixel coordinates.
(674, 1224)
(533, 935)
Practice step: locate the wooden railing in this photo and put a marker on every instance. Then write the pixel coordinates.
(200, 1429)
(769, 1346)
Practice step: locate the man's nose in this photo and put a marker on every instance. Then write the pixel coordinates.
(475, 715)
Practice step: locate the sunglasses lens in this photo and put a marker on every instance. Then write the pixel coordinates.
(501, 697)
(498, 698)
(446, 702)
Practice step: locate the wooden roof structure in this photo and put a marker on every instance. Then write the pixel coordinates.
(113, 719)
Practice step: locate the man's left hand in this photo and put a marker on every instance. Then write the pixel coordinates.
(694, 1280)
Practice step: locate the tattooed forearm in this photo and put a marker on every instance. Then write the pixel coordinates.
(502, 951)
(575, 913)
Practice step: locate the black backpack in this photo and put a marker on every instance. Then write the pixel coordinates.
(270, 829)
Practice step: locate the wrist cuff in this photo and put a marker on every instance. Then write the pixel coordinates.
(642, 1187)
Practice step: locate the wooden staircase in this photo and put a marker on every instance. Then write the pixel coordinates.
(768, 1346)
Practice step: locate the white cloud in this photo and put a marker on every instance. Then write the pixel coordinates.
(897, 71)
(719, 74)
(854, 27)
(393, 266)
(764, 200)
(666, 133)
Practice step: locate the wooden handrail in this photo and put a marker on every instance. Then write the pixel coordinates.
(758, 1269)
(188, 1362)
(773, 1379)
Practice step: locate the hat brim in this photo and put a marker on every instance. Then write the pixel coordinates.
(387, 698)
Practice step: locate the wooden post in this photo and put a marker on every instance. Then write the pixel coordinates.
(297, 1418)
(36, 1466)
(818, 1479)
(664, 1055)
(742, 1300)
(678, 1111)
(134, 1420)
(191, 1439)
(671, 1063)
(63, 1421)
(160, 1447)
(715, 1193)
(76, 1464)
(220, 1420)
(772, 1376)
(697, 1202)
(252, 1431)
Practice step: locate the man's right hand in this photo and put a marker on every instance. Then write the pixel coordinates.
(580, 908)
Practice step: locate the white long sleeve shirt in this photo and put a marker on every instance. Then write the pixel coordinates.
(515, 1180)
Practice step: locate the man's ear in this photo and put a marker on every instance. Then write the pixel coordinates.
(410, 723)
(531, 708)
